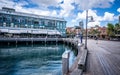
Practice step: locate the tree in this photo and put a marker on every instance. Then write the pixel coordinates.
(117, 28)
(94, 32)
(110, 30)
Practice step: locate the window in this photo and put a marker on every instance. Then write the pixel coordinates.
(4, 19)
(43, 23)
(57, 25)
(1, 17)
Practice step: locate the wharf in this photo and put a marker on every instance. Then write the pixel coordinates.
(103, 58)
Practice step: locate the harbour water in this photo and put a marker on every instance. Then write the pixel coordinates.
(33, 60)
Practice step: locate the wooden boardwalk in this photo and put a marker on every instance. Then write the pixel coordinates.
(103, 58)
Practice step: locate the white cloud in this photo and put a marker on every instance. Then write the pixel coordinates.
(82, 15)
(88, 4)
(116, 17)
(54, 13)
(46, 3)
(73, 21)
(108, 16)
(67, 7)
(19, 7)
(6, 3)
(97, 19)
(118, 10)
(93, 24)
(38, 12)
(42, 9)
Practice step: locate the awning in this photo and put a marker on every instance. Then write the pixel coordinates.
(29, 30)
(24, 31)
(38, 32)
(14, 31)
(4, 30)
(53, 32)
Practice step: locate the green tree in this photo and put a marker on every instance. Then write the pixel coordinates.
(110, 30)
(95, 32)
(117, 28)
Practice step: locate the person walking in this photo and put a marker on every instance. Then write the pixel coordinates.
(96, 39)
(81, 37)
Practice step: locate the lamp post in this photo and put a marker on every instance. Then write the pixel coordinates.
(86, 29)
(91, 20)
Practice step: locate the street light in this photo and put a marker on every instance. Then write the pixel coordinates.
(91, 20)
(86, 29)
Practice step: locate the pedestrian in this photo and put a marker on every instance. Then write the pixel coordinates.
(81, 37)
(96, 39)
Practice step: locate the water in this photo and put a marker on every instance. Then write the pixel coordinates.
(36, 60)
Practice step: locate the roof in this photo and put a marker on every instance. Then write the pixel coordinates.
(31, 15)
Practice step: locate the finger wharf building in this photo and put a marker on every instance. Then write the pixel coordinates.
(18, 24)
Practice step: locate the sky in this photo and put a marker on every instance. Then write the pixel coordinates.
(73, 11)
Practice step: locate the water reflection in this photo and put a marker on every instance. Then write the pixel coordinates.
(36, 60)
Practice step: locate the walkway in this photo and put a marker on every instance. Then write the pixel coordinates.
(103, 58)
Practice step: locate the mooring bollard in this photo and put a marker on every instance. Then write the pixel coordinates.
(65, 62)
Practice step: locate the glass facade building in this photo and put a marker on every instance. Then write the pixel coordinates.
(10, 19)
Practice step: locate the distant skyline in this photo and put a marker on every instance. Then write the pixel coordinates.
(103, 11)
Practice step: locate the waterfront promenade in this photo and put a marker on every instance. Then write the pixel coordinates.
(103, 58)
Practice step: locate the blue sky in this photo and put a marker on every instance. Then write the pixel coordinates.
(73, 11)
